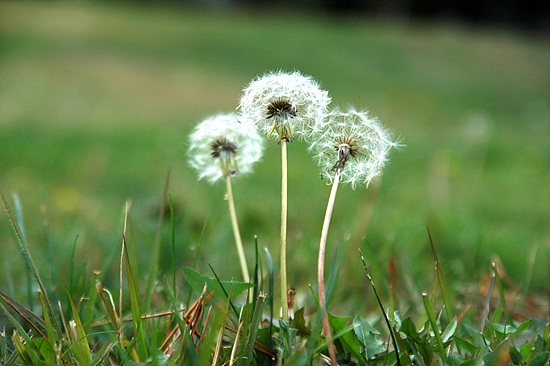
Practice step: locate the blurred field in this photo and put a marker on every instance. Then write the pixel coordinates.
(97, 100)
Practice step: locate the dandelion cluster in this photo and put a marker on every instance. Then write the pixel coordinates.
(289, 103)
(351, 144)
(222, 146)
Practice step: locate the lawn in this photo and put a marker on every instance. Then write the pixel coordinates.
(97, 101)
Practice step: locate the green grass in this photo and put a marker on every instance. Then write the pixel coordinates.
(97, 100)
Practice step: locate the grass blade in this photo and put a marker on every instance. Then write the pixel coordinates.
(223, 289)
(196, 261)
(442, 283)
(173, 246)
(253, 329)
(390, 328)
(155, 251)
(109, 307)
(141, 339)
(335, 270)
(502, 295)
(257, 280)
(435, 328)
(21, 224)
(47, 237)
(271, 287)
(81, 347)
(34, 320)
(18, 326)
(48, 324)
(71, 271)
(25, 248)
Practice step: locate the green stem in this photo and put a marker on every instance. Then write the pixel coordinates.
(235, 225)
(435, 328)
(284, 207)
(321, 267)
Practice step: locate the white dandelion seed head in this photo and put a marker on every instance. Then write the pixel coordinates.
(289, 104)
(224, 145)
(352, 143)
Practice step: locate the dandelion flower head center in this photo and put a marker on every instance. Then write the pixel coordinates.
(281, 111)
(225, 150)
(346, 148)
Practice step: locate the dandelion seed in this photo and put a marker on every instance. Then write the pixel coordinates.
(351, 144)
(289, 103)
(223, 146)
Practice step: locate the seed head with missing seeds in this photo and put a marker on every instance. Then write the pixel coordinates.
(352, 144)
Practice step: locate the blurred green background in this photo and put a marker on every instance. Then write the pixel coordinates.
(97, 101)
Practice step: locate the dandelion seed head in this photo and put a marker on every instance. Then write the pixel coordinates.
(223, 145)
(287, 103)
(352, 144)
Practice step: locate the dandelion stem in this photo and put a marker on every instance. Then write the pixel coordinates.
(284, 207)
(236, 232)
(321, 267)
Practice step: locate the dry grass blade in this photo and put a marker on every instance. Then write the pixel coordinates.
(191, 318)
(234, 350)
(205, 326)
(218, 346)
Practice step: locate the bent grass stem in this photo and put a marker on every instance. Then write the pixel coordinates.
(321, 267)
(235, 225)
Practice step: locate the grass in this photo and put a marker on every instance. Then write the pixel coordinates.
(97, 101)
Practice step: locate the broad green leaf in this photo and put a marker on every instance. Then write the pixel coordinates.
(353, 346)
(337, 322)
(526, 350)
(298, 358)
(504, 330)
(287, 339)
(475, 362)
(516, 356)
(466, 345)
(499, 355)
(351, 343)
(300, 323)
(477, 338)
(366, 334)
(197, 281)
(409, 329)
(523, 327)
(449, 331)
(540, 360)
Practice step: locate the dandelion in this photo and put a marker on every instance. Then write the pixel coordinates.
(350, 147)
(221, 147)
(290, 104)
